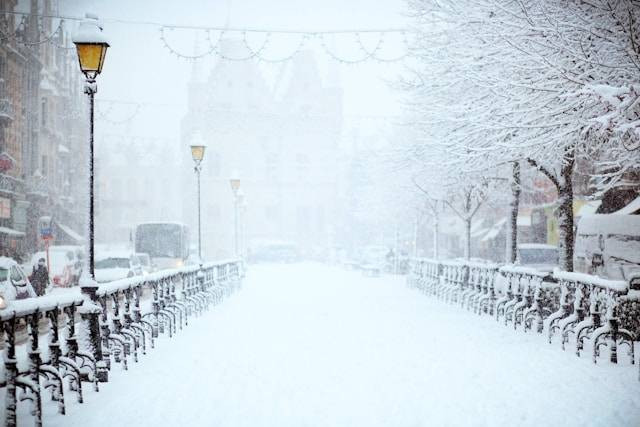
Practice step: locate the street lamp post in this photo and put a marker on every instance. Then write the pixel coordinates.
(234, 181)
(243, 228)
(239, 202)
(91, 46)
(197, 153)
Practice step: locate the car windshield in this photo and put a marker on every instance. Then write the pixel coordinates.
(4, 273)
(159, 240)
(112, 263)
(538, 256)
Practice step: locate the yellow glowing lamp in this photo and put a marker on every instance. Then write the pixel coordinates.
(197, 152)
(235, 182)
(91, 46)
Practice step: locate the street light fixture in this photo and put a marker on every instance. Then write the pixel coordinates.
(243, 212)
(234, 181)
(197, 153)
(240, 196)
(238, 208)
(91, 45)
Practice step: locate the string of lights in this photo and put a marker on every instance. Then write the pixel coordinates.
(305, 38)
(22, 28)
(374, 53)
(19, 29)
(105, 115)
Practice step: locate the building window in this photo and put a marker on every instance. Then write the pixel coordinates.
(5, 208)
(44, 112)
(44, 166)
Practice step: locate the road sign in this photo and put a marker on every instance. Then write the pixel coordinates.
(46, 233)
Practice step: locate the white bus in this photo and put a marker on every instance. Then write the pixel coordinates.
(167, 243)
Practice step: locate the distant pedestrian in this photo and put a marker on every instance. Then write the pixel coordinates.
(77, 270)
(40, 277)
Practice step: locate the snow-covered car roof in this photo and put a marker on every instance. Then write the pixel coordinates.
(6, 262)
(162, 223)
(113, 254)
(111, 274)
(536, 246)
(609, 224)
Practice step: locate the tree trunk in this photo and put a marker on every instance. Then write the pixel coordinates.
(436, 226)
(512, 224)
(565, 212)
(467, 238)
(415, 234)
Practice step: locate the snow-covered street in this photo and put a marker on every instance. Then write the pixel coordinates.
(310, 345)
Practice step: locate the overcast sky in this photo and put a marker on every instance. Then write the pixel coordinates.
(139, 68)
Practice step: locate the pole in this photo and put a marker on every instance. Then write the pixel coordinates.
(395, 254)
(46, 248)
(91, 91)
(88, 285)
(235, 208)
(415, 234)
(242, 231)
(199, 226)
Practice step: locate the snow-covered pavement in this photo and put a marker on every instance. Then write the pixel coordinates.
(309, 345)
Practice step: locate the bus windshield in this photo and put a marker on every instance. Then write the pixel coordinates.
(160, 240)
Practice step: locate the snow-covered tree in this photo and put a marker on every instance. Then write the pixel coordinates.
(540, 81)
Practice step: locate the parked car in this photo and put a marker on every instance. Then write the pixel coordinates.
(608, 245)
(540, 256)
(110, 266)
(14, 284)
(145, 263)
(374, 256)
(65, 263)
(193, 259)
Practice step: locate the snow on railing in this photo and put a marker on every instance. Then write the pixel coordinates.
(88, 332)
(579, 307)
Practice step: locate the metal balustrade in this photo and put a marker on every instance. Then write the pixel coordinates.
(577, 308)
(88, 335)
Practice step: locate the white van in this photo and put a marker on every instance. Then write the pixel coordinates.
(608, 245)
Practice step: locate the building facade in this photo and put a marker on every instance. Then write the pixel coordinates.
(282, 141)
(42, 129)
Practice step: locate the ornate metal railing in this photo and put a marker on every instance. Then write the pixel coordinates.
(577, 308)
(87, 334)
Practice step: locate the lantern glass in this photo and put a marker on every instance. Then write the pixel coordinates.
(235, 184)
(91, 57)
(197, 152)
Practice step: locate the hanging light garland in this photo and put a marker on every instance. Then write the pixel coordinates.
(105, 108)
(304, 40)
(252, 53)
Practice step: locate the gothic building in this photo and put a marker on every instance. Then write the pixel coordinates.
(280, 137)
